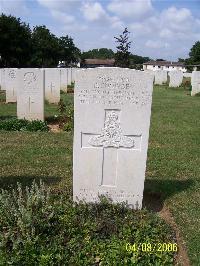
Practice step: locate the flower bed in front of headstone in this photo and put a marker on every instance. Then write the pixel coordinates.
(15, 124)
(43, 227)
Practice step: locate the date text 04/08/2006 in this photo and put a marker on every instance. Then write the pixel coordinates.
(148, 247)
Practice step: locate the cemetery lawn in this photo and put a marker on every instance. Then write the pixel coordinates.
(173, 158)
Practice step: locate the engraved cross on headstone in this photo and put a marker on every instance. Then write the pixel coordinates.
(29, 104)
(110, 141)
(52, 87)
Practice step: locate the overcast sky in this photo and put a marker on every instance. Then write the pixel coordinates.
(159, 29)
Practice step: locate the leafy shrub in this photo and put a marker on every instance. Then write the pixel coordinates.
(23, 125)
(69, 125)
(40, 228)
(62, 107)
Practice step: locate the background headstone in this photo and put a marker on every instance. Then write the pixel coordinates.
(3, 74)
(73, 73)
(111, 129)
(11, 84)
(69, 76)
(63, 75)
(160, 77)
(187, 75)
(195, 82)
(176, 78)
(30, 94)
(52, 85)
(0, 77)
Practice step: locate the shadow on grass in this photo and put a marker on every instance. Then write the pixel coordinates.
(157, 191)
(10, 182)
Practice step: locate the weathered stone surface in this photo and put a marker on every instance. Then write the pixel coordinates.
(112, 118)
(176, 78)
(30, 94)
(195, 82)
(52, 85)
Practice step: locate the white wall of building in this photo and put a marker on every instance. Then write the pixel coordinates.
(170, 68)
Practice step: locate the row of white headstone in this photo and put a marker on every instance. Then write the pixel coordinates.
(176, 79)
(112, 109)
(53, 80)
(161, 77)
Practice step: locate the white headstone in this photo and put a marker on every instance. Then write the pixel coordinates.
(111, 130)
(73, 73)
(63, 74)
(176, 78)
(11, 84)
(0, 77)
(52, 85)
(69, 76)
(160, 77)
(30, 94)
(150, 72)
(195, 82)
(3, 72)
(187, 75)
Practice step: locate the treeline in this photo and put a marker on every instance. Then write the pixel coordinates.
(104, 53)
(22, 47)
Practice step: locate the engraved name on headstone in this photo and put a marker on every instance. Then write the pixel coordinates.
(112, 118)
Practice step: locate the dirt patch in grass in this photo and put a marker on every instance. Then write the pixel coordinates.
(55, 128)
(154, 202)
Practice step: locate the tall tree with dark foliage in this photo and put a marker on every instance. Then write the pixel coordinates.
(15, 42)
(122, 56)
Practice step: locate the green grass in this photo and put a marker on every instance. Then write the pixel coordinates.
(173, 166)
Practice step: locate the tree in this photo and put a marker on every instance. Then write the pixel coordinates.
(160, 59)
(102, 53)
(68, 52)
(15, 42)
(45, 48)
(181, 60)
(195, 54)
(122, 54)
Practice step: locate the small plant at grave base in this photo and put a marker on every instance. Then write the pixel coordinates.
(23, 125)
(187, 85)
(40, 228)
(69, 125)
(62, 107)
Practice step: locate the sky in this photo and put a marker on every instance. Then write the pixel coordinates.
(158, 28)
